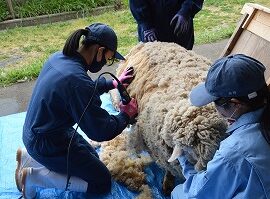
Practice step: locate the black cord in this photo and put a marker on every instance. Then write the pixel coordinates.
(75, 131)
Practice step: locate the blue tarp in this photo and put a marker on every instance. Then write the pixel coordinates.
(11, 139)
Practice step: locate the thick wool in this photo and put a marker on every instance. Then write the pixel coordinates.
(165, 73)
(124, 166)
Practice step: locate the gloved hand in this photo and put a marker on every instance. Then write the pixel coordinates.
(125, 78)
(180, 24)
(131, 109)
(149, 35)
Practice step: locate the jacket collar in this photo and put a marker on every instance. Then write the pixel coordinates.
(247, 118)
(78, 57)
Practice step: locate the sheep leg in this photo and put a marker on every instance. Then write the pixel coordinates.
(168, 183)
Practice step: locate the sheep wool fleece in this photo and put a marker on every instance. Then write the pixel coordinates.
(164, 75)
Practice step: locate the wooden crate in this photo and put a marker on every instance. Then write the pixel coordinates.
(252, 36)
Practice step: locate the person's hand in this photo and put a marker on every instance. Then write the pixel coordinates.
(149, 35)
(180, 24)
(125, 78)
(131, 109)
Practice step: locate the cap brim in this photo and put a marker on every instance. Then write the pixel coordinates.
(119, 56)
(199, 96)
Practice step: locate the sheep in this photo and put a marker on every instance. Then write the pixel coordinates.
(164, 75)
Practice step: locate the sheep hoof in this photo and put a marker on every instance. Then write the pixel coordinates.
(168, 183)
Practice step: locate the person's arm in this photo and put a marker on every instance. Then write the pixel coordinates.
(103, 85)
(190, 8)
(125, 78)
(218, 181)
(182, 19)
(96, 122)
(141, 11)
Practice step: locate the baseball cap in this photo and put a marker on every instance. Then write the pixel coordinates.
(232, 76)
(105, 36)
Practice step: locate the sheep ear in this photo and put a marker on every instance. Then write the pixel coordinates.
(175, 154)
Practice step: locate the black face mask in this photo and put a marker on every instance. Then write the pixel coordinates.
(97, 66)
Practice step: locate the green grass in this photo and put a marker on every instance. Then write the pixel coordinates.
(216, 21)
(32, 8)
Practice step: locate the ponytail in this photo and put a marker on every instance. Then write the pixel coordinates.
(73, 42)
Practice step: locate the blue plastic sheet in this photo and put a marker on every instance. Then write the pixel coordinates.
(11, 138)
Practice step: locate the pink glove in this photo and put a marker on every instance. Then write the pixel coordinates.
(125, 78)
(131, 108)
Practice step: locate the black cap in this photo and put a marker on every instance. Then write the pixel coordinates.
(105, 36)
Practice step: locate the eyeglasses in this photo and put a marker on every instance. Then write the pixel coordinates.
(110, 61)
(222, 101)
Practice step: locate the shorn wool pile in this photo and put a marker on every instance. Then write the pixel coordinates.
(165, 73)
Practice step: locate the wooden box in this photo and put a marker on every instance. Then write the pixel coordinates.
(252, 36)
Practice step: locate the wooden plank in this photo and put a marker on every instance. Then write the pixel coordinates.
(248, 7)
(230, 45)
(262, 17)
(256, 47)
(259, 29)
(245, 44)
(253, 37)
(249, 19)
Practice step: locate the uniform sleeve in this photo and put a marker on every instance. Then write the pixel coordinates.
(141, 11)
(103, 85)
(218, 181)
(190, 8)
(96, 122)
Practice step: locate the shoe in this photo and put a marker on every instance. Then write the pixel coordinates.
(27, 191)
(23, 160)
(18, 169)
(30, 178)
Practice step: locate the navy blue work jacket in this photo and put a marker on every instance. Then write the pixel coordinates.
(62, 91)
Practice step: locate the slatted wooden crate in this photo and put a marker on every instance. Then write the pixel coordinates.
(252, 36)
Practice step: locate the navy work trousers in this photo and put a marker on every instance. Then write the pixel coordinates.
(50, 150)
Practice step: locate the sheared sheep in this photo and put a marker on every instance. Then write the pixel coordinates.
(164, 75)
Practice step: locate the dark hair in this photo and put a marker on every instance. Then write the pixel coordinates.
(262, 100)
(265, 124)
(73, 42)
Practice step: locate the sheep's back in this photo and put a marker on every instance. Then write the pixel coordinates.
(165, 73)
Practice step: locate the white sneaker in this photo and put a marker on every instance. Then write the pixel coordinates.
(27, 191)
(23, 160)
(31, 178)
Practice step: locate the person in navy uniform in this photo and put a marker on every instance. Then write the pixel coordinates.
(166, 20)
(57, 156)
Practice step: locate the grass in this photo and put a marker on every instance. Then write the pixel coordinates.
(216, 21)
(32, 8)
